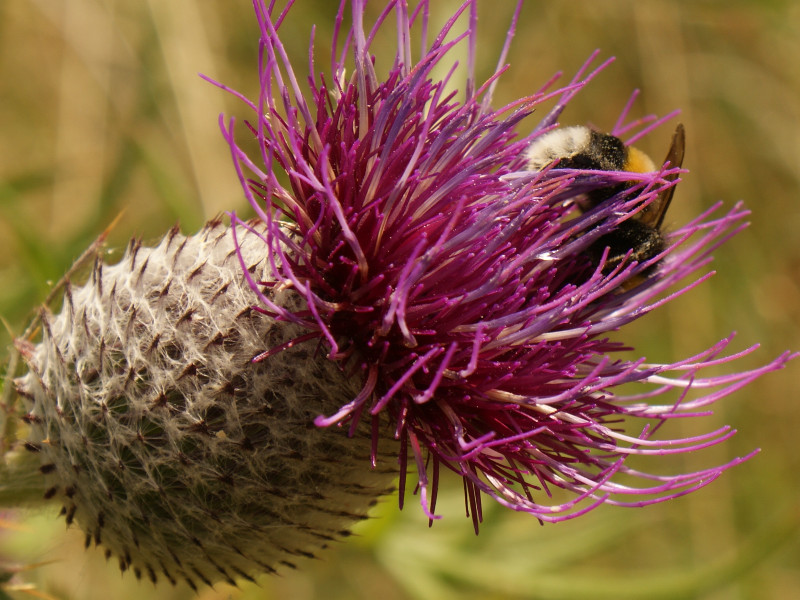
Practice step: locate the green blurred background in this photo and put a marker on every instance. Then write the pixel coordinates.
(103, 113)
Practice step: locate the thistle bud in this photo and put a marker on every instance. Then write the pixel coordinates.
(162, 438)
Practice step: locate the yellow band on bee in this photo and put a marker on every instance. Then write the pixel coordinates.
(638, 162)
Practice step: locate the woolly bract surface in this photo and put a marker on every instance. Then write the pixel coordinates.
(162, 438)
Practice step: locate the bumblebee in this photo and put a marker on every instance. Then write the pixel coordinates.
(579, 147)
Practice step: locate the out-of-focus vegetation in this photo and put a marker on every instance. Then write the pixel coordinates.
(103, 113)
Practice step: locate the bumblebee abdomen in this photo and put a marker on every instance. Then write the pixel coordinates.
(629, 237)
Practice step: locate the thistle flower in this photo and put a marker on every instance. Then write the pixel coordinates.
(422, 300)
(460, 286)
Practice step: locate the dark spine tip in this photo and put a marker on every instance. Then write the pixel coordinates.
(71, 514)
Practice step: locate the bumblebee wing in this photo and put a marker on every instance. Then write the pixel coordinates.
(653, 215)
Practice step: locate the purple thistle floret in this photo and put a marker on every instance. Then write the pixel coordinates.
(457, 285)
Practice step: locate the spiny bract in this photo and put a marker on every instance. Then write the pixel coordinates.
(166, 443)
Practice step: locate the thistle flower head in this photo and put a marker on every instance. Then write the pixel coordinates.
(461, 287)
(423, 297)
